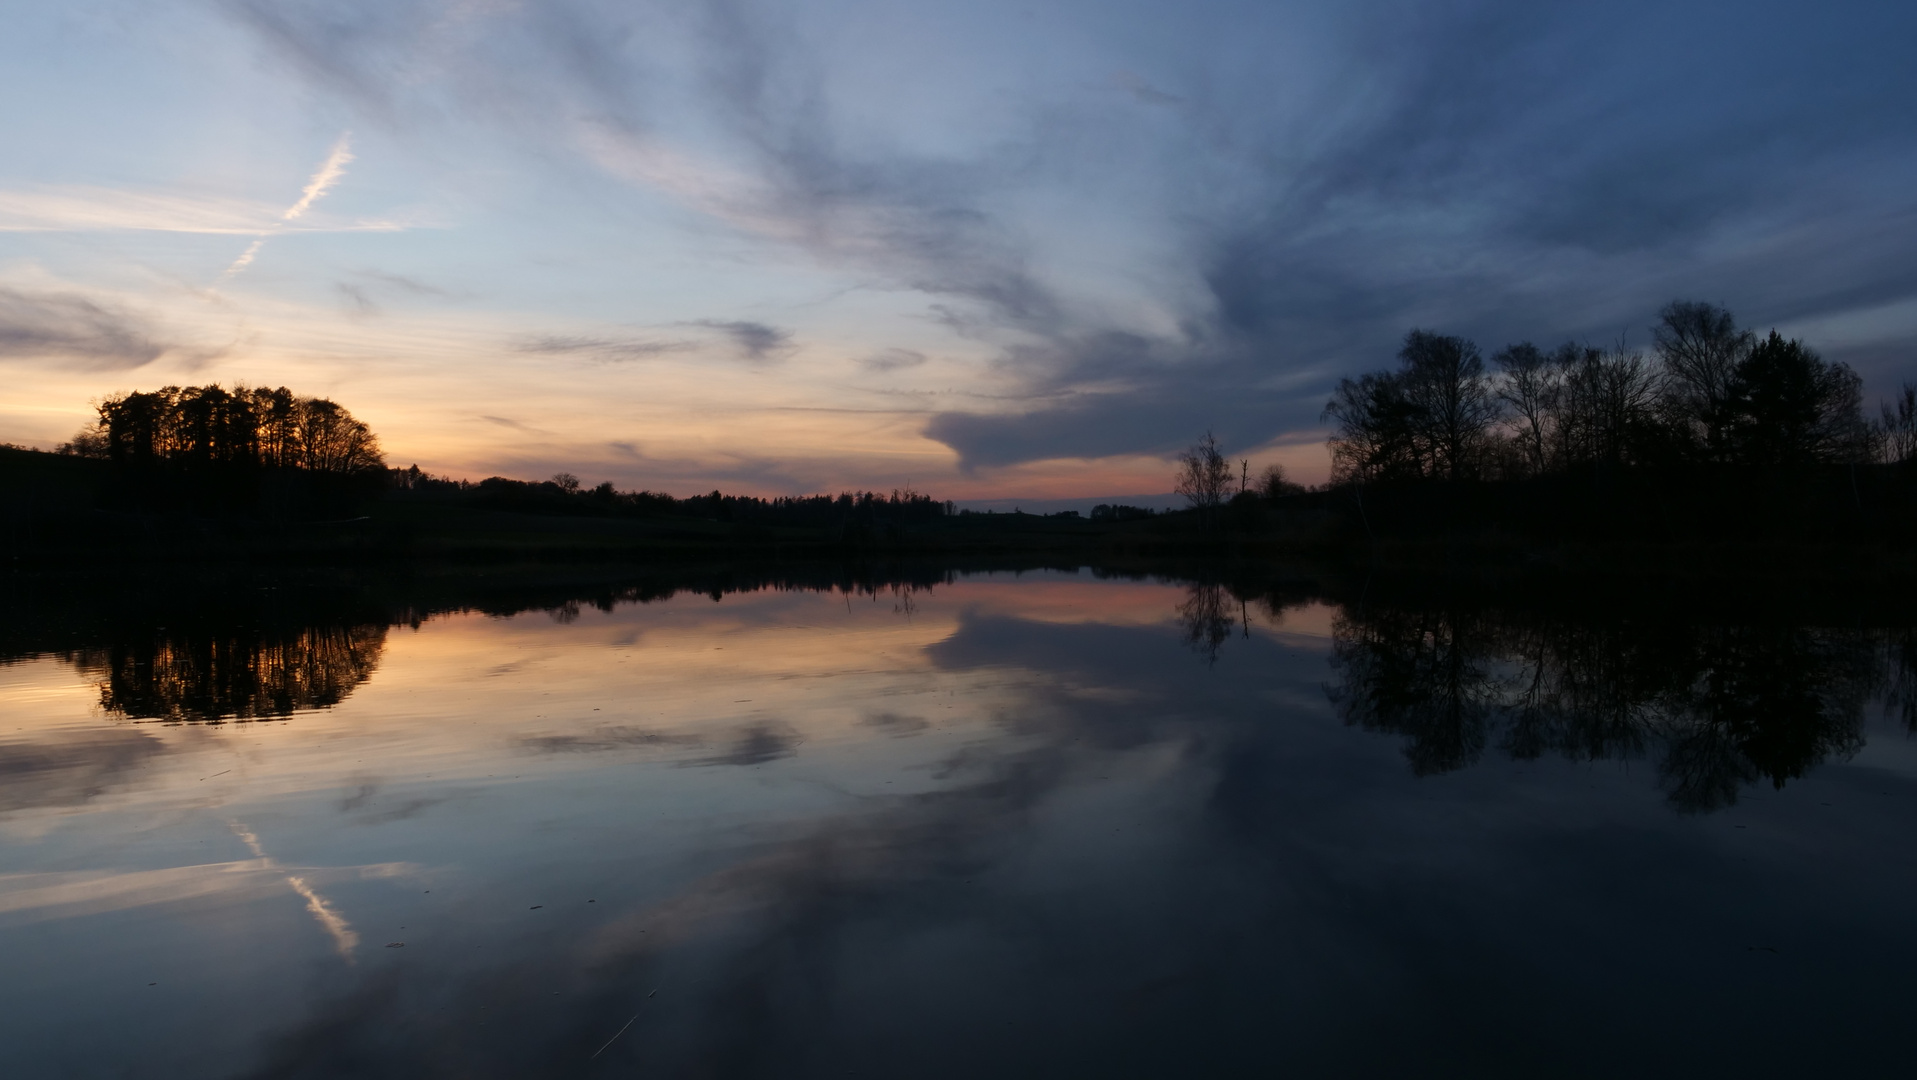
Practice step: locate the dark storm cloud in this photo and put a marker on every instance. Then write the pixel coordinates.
(96, 336)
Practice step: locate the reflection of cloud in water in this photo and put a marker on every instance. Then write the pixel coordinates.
(345, 940)
(750, 930)
(752, 744)
(893, 724)
(609, 737)
(78, 767)
(45, 896)
(756, 744)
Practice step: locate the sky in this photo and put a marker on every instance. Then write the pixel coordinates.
(989, 250)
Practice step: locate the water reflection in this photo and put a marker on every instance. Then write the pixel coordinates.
(1010, 825)
(1718, 707)
(245, 675)
(1208, 616)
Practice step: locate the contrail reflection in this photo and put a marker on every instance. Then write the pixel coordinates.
(345, 939)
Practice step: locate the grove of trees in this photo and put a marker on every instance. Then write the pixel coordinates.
(206, 448)
(1707, 392)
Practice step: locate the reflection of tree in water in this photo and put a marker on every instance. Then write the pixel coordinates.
(1721, 706)
(1900, 699)
(1418, 674)
(213, 677)
(1206, 617)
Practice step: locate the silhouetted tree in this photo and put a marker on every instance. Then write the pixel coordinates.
(1451, 405)
(89, 442)
(1374, 433)
(1606, 405)
(1204, 477)
(1788, 406)
(332, 441)
(1431, 418)
(1700, 347)
(1530, 387)
(1273, 483)
(1897, 431)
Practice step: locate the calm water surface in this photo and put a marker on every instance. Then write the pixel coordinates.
(1012, 825)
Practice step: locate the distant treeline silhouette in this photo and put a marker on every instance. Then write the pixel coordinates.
(563, 495)
(205, 449)
(1706, 393)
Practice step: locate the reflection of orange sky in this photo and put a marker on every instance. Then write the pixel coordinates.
(470, 706)
(466, 695)
(1086, 600)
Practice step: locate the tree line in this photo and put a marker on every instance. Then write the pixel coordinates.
(564, 495)
(1706, 392)
(206, 448)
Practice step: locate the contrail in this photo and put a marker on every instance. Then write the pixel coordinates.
(246, 257)
(323, 180)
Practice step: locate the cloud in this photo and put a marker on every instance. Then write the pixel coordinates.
(1325, 179)
(893, 360)
(35, 326)
(607, 349)
(79, 208)
(755, 341)
(507, 422)
(1135, 84)
(357, 297)
(403, 283)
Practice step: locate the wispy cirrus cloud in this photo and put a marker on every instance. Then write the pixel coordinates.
(605, 349)
(83, 208)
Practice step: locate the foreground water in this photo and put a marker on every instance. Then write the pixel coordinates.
(1011, 825)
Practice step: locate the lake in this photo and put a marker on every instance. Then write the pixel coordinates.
(958, 824)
